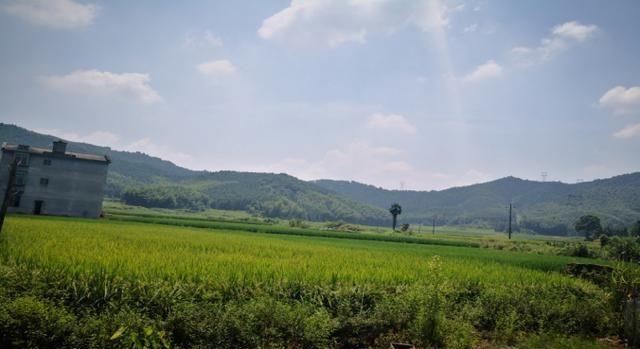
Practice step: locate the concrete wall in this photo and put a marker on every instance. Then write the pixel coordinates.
(75, 187)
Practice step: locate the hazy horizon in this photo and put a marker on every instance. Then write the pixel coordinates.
(419, 95)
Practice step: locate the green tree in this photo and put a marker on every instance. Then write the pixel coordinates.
(589, 225)
(395, 210)
(635, 229)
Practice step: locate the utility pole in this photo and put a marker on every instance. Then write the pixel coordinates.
(434, 225)
(509, 221)
(8, 193)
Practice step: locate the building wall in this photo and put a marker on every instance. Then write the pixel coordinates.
(75, 187)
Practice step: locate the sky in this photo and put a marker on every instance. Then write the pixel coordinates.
(402, 94)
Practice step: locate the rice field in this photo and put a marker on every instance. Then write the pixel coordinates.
(153, 281)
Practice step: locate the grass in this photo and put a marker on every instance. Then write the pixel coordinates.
(189, 282)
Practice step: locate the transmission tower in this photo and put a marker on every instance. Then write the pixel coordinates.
(544, 176)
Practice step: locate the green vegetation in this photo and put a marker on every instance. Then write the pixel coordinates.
(395, 211)
(549, 208)
(589, 225)
(69, 283)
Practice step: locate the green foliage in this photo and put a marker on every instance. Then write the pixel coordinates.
(623, 249)
(589, 225)
(549, 208)
(577, 250)
(166, 197)
(343, 226)
(635, 229)
(268, 228)
(27, 322)
(297, 223)
(604, 240)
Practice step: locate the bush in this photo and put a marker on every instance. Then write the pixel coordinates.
(27, 322)
(623, 249)
(577, 250)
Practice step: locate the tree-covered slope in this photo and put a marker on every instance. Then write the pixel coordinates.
(539, 206)
(138, 178)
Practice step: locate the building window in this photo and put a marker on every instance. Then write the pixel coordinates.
(47, 162)
(23, 159)
(15, 201)
(44, 182)
(19, 180)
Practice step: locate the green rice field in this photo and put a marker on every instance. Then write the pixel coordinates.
(186, 283)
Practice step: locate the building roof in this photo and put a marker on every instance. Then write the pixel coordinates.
(44, 151)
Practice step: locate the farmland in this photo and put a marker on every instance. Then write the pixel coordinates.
(115, 283)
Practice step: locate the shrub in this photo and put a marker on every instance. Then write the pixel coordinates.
(623, 249)
(577, 250)
(27, 322)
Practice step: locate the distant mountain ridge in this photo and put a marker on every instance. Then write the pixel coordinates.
(538, 206)
(544, 207)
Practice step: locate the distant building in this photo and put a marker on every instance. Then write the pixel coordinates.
(54, 181)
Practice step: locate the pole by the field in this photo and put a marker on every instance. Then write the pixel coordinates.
(433, 231)
(8, 193)
(509, 221)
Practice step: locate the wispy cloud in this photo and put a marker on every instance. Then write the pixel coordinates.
(201, 40)
(561, 38)
(488, 70)
(391, 122)
(336, 22)
(628, 132)
(217, 67)
(471, 28)
(622, 100)
(103, 138)
(53, 13)
(126, 86)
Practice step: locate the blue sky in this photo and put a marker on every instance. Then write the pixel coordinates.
(420, 94)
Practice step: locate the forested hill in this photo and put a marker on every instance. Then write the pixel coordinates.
(546, 207)
(543, 207)
(138, 178)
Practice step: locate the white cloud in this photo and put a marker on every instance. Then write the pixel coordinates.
(622, 100)
(218, 67)
(336, 22)
(103, 138)
(147, 146)
(53, 13)
(561, 38)
(470, 29)
(378, 165)
(203, 40)
(488, 70)
(575, 31)
(129, 86)
(359, 160)
(390, 122)
(628, 132)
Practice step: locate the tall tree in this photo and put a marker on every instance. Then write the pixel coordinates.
(589, 225)
(395, 210)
